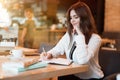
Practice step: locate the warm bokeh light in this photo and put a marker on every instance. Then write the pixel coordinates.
(4, 16)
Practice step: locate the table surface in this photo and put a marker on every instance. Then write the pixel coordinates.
(51, 70)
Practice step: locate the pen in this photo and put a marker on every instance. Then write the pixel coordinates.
(45, 54)
(43, 49)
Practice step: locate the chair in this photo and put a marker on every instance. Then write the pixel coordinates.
(46, 46)
(109, 62)
(111, 77)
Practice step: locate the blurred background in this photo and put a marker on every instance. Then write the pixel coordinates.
(50, 17)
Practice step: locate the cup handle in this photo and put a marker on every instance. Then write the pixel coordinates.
(10, 52)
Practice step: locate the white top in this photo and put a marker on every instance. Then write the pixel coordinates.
(118, 76)
(83, 54)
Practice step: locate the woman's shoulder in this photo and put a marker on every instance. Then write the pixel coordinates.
(94, 35)
(66, 34)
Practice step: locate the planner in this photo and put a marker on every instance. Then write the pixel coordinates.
(59, 61)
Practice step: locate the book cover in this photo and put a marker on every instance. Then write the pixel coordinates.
(23, 62)
(14, 67)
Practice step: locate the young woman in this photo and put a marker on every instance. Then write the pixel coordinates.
(83, 35)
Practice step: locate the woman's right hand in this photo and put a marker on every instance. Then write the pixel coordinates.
(45, 56)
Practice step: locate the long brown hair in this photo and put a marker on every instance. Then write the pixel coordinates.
(87, 23)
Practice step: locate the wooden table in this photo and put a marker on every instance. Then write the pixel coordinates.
(47, 72)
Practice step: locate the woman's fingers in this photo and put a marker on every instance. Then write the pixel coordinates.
(45, 56)
(49, 56)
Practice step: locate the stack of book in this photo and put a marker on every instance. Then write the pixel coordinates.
(7, 46)
(16, 66)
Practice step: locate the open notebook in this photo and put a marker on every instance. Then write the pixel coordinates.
(60, 61)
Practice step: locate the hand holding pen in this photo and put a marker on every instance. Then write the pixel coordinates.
(44, 55)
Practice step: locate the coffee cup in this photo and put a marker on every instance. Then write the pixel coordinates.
(17, 53)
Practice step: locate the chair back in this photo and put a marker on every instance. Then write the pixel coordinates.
(46, 46)
(109, 61)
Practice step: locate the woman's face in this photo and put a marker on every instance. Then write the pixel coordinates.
(74, 19)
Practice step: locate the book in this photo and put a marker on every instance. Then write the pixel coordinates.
(7, 44)
(16, 66)
(23, 62)
(34, 66)
(108, 48)
(60, 61)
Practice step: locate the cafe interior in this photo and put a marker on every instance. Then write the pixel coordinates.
(51, 25)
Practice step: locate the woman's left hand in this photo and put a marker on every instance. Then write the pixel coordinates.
(77, 29)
